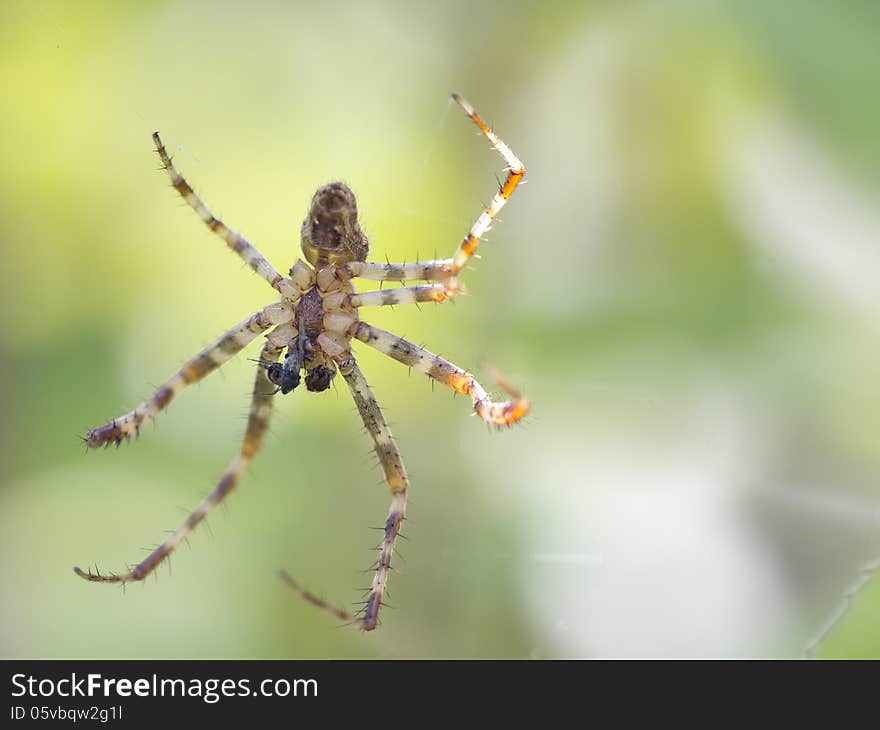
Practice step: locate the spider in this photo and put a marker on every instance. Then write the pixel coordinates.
(315, 320)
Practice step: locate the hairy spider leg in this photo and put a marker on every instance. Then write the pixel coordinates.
(208, 360)
(235, 241)
(406, 295)
(443, 371)
(439, 270)
(446, 269)
(258, 422)
(398, 482)
(515, 173)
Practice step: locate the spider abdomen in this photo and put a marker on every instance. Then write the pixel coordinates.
(330, 232)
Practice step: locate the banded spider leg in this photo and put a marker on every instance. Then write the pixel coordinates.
(445, 270)
(398, 482)
(208, 360)
(235, 241)
(423, 361)
(434, 366)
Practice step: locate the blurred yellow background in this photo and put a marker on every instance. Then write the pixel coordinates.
(688, 289)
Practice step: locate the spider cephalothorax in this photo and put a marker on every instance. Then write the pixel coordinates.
(314, 321)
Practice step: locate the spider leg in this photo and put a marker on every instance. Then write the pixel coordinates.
(443, 371)
(234, 240)
(406, 295)
(398, 482)
(208, 360)
(439, 270)
(445, 269)
(258, 422)
(515, 173)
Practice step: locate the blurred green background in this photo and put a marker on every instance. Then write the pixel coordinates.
(688, 289)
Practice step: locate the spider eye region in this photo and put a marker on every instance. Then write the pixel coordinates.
(330, 232)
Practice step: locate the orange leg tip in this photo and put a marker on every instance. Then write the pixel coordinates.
(513, 412)
(520, 409)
